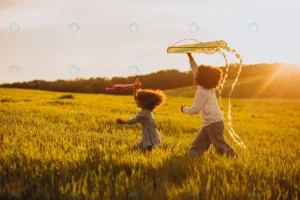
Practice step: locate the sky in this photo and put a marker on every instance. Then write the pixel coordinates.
(68, 39)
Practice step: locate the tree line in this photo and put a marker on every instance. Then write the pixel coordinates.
(163, 80)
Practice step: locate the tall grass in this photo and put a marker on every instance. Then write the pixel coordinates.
(72, 149)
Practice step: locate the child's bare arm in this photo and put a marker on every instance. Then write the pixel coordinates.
(193, 64)
(134, 93)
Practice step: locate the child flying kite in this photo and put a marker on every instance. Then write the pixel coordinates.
(208, 79)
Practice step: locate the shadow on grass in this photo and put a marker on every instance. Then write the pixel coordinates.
(173, 172)
(48, 184)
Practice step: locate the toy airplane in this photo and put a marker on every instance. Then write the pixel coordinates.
(114, 87)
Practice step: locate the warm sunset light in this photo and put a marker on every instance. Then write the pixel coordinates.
(44, 40)
(149, 100)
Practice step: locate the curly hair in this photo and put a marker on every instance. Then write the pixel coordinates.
(209, 77)
(150, 99)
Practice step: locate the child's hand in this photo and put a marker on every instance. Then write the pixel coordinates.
(137, 85)
(182, 108)
(120, 121)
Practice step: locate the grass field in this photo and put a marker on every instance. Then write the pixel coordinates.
(55, 148)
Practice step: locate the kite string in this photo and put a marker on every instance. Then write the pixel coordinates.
(185, 39)
(229, 106)
(220, 93)
(226, 70)
(231, 131)
(225, 76)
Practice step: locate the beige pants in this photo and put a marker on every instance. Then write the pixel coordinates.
(213, 134)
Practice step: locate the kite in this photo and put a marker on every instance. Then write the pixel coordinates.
(211, 48)
(115, 87)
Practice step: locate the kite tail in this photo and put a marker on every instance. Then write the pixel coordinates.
(235, 137)
(224, 79)
(229, 104)
(231, 131)
(226, 70)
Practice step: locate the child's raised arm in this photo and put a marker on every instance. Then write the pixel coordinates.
(193, 64)
(134, 93)
(137, 85)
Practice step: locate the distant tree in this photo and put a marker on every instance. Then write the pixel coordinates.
(166, 79)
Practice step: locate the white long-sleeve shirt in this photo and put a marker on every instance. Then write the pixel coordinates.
(205, 103)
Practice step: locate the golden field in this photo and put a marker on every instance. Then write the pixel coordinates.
(53, 148)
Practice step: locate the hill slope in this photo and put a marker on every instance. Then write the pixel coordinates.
(251, 87)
